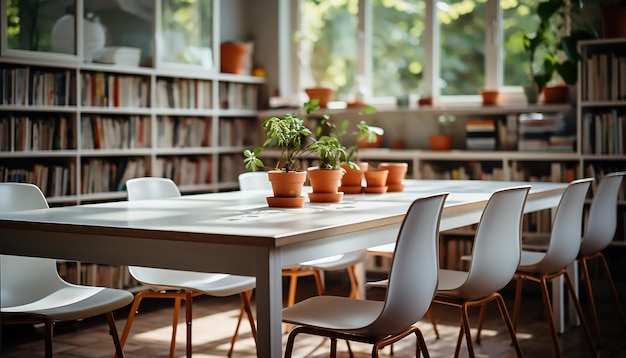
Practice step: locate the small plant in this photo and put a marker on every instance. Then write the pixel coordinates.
(364, 132)
(445, 123)
(554, 42)
(288, 133)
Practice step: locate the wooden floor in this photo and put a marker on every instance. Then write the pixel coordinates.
(214, 322)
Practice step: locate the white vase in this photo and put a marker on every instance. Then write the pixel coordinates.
(63, 33)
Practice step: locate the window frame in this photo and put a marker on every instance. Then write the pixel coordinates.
(290, 75)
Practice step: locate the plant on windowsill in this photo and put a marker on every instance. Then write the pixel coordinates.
(551, 49)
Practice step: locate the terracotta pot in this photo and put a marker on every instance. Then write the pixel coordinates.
(397, 172)
(287, 184)
(232, 57)
(325, 185)
(354, 176)
(490, 97)
(323, 94)
(613, 24)
(324, 180)
(376, 180)
(440, 141)
(555, 94)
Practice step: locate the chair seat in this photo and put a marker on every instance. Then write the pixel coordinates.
(74, 302)
(450, 280)
(333, 312)
(529, 259)
(337, 262)
(385, 249)
(214, 284)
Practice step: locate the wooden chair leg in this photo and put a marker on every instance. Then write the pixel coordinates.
(481, 318)
(466, 328)
(518, 299)
(355, 291)
(579, 309)
(177, 303)
(509, 325)
(592, 304)
(247, 309)
(609, 279)
(113, 331)
(431, 318)
(459, 340)
(546, 302)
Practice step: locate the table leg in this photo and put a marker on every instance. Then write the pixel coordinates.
(269, 302)
(558, 303)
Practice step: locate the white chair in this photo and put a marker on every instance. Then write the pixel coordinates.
(347, 261)
(386, 250)
(600, 230)
(411, 286)
(563, 248)
(254, 181)
(31, 290)
(182, 285)
(495, 257)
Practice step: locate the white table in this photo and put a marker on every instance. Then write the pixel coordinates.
(236, 232)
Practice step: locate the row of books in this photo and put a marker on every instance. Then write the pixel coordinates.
(547, 172)
(468, 171)
(544, 132)
(239, 95)
(194, 170)
(603, 76)
(483, 134)
(52, 179)
(107, 132)
(603, 132)
(26, 133)
(237, 131)
(598, 171)
(111, 174)
(183, 132)
(184, 93)
(34, 86)
(100, 89)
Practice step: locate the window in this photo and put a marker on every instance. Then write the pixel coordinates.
(478, 43)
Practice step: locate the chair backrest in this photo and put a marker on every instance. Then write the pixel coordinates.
(25, 279)
(151, 188)
(414, 271)
(602, 220)
(254, 181)
(565, 238)
(147, 188)
(497, 244)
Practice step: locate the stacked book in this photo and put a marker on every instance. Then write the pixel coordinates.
(537, 129)
(481, 134)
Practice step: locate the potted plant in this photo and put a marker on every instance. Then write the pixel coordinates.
(287, 133)
(443, 139)
(552, 53)
(335, 159)
(351, 180)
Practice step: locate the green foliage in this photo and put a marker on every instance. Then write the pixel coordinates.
(286, 132)
(290, 133)
(552, 14)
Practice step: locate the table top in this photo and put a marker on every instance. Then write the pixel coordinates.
(244, 218)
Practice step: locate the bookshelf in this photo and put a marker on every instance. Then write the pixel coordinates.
(601, 112)
(79, 128)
